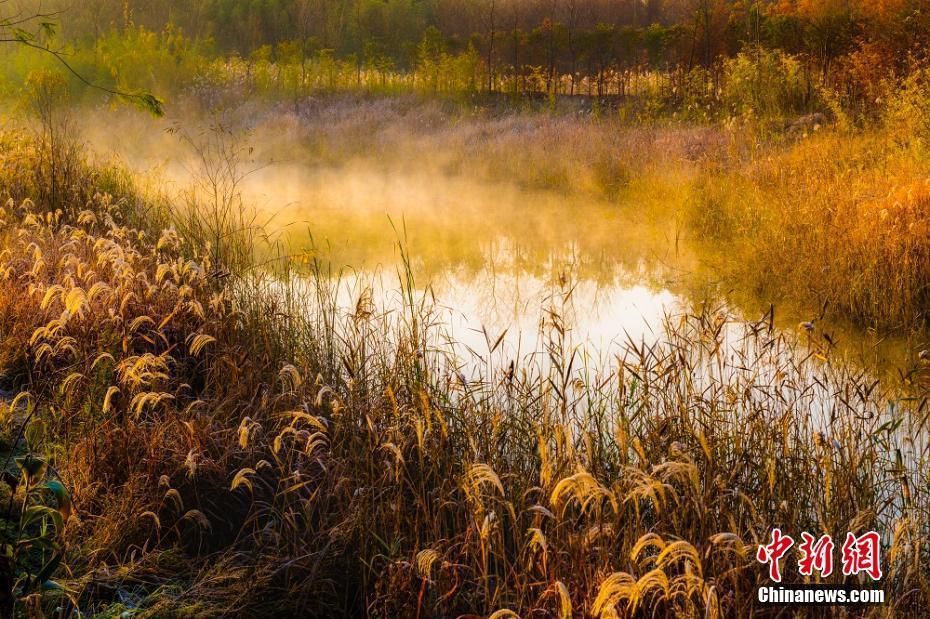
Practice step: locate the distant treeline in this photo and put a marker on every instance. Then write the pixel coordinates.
(688, 49)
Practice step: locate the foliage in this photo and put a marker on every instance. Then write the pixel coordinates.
(841, 216)
(236, 444)
(761, 83)
(714, 58)
(908, 112)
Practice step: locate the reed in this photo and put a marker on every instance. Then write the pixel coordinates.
(837, 218)
(235, 443)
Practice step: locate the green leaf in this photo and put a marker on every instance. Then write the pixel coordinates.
(150, 103)
(35, 433)
(61, 495)
(42, 576)
(49, 28)
(36, 513)
(21, 35)
(31, 466)
(37, 543)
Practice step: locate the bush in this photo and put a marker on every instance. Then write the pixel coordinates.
(762, 83)
(907, 115)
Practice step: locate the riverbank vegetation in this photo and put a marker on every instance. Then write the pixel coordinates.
(196, 439)
(696, 59)
(193, 424)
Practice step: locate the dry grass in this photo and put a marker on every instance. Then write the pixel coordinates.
(835, 218)
(240, 446)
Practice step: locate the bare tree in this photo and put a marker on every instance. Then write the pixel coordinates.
(491, 14)
(517, 71)
(573, 10)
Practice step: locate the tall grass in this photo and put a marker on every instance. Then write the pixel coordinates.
(837, 217)
(243, 445)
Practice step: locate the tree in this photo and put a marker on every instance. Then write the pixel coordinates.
(516, 43)
(36, 30)
(491, 7)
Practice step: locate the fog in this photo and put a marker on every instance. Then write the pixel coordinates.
(502, 218)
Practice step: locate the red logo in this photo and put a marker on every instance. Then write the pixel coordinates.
(773, 552)
(862, 554)
(859, 554)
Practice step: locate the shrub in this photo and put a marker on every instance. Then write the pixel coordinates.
(762, 83)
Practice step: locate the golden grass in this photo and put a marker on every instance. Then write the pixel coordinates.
(237, 446)
(835, 218)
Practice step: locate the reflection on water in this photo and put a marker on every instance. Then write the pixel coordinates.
(357, 215)
(497, 258)
(515, 310)
(496, 255)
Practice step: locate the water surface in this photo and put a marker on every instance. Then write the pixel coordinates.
(497, 257)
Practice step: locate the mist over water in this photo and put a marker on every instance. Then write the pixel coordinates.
(360, 186)
(495, 255)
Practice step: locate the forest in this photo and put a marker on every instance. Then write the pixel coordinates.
(464, 308)
(695, 57)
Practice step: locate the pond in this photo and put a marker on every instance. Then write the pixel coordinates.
(568, 288)
(497, 258)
